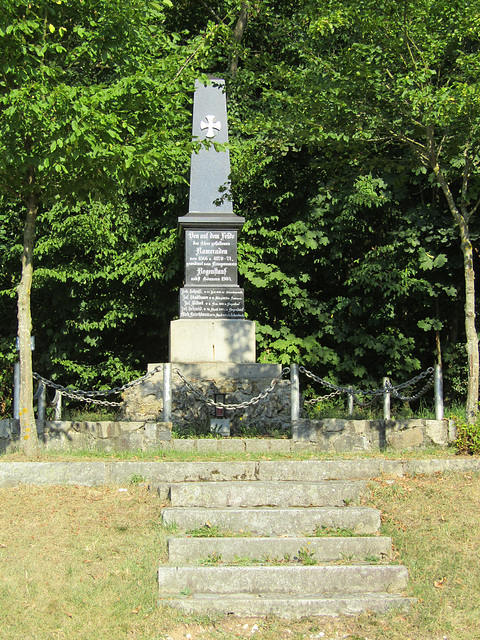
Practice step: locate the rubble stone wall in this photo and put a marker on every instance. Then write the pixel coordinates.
(332, 435)
(189, 412)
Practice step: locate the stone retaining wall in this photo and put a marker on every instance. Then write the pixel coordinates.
(95, 436)
(318, 435)
(367, 435)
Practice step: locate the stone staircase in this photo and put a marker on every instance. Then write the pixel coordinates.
(273, 544)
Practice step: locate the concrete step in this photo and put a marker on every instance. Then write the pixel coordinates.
(290, 607)
(315, 470)
(273, 521)
(267, 470)
(284, 501)
(298, 580)
(265, 493)
(182, 550)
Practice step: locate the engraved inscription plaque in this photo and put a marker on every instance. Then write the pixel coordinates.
(210, 257)
(211, 302)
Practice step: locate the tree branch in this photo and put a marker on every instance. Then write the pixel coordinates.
(465, 176)
(210, 10)
(418, 148)
(238, 32)
(475, 208)
(433, 160)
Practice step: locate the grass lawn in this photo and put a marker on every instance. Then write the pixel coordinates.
(80, 563)
(191, 455)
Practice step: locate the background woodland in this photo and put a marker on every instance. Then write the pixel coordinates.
(354, 141)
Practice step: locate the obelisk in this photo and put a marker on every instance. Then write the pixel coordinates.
(212, 325)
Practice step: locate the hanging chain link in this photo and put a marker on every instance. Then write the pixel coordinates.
(388, 388)
(232, 407)
(422, 392)
(39, 390)
(322, 398)
(88, 400)
(91, 396)
(365, 404)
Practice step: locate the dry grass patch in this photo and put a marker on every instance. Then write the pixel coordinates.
(77, 562)
(80, 564)
(435, 524)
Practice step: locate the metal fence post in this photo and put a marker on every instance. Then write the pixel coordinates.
(167, 392)
(16, 391)
(41, 401)
(58, 405)
(386, 400)
(350, 401)
(294, 393)
(438, 383)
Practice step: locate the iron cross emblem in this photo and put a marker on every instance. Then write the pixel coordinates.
(210, 125)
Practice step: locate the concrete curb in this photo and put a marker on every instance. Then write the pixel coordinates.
(100, 473)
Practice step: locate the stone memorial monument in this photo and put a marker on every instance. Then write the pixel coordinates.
(212, 345)
(212, 325)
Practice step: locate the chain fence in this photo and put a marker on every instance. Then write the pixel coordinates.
(374, 394)
(363, 398)
(231, 407)
(91, 397)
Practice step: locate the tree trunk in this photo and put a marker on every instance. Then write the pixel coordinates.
(470, 325)
(470, 328)
(28, 429)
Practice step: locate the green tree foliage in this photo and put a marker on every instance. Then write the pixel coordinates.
(92, 98)
(348, 257)
(384, 75)
(380, 102)
(412, 76)
(115, 266)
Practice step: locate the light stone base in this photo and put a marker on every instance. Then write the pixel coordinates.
(216, 340)
(206, 371)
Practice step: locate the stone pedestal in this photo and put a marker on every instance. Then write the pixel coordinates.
(212, 340)
(238, 382)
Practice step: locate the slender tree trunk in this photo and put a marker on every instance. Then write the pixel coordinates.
(28, 429)
(462, 220)
(470, 328)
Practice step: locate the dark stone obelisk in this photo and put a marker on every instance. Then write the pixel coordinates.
(210, 202)
(212, 325)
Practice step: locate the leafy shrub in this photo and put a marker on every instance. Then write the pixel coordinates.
(468, 436)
